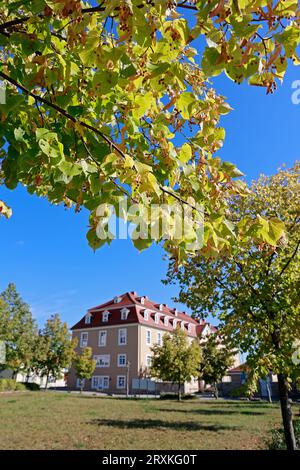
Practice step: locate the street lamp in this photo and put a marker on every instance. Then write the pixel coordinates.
(127, 378)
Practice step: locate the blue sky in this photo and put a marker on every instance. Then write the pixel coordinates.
(43, 247)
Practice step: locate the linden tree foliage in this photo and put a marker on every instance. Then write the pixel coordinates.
(109, 99)
(84, 365)
(177, 360)
(255, 290)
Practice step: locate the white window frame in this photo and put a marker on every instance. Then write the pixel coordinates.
(104, 332)
(78, 383)
(124, 313)
(105, 316)
(105, 358)
(175, 323)
(190, 328)
(166, 321)
(148, 337)
(88, 318)
(156, 318)
(98, 377)
(84, 343)
(119, 336)
(125, 362)
(121, 377)
(149, 360)
(159, 338)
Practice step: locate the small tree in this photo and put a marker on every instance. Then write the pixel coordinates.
(216, 360)
(56, 348)
(84, 365)
(176, 360)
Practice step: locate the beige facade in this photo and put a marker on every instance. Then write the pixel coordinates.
(121, 333)
(113, 357)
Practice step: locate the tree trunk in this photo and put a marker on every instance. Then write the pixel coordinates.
(179, 391)
(47, 378)
(216, 391)
(286, 412)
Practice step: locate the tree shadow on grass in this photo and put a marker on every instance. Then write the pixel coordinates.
(157, 423)
(213, 412)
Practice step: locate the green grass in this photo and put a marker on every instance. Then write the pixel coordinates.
(39, 420)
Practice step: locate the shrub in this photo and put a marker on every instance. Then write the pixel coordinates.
(19, 386)
(277, 441)
(10, 385)
(31, 386)
(174, 396)
(239, 392)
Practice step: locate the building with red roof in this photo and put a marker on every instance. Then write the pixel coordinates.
(121, 333)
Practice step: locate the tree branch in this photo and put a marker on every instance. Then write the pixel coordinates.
(68, 116)
(290, 259)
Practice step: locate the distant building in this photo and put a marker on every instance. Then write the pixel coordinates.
(35, 378)
(121, 333)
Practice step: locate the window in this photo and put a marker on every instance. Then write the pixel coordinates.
(148, 360)
(174, 323)
(175, 312)
(166, 321)
(102, 338)
(226, 379)
(105, 316)
(146, 315)
(190, 328)
(122, 336)
(121, 381)
(122, 360)
(148, 336)
(142, 300)
(80, 383)
(102, 360)
(161, 307)
(182, 325)
(88, 318)
(117, 299)
(100, 381)
(84, 339)
(159, 342)
(157, 318)
(124, 313)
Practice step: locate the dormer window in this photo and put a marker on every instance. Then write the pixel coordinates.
(161, 307)
(175, 312)
(166, 321)
(146, 315)
(142, 300)
(88, 318)
(156, 318)
(174, 324)
(182, 325)
(117, 299)
(124, 313)
(189, 327)
(105, 316)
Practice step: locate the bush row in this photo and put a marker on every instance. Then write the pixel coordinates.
(12, 385)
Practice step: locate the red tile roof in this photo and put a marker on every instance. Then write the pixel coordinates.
(136, 308)
(239, 369)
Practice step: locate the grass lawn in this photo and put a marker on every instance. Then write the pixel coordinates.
(50, 420)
